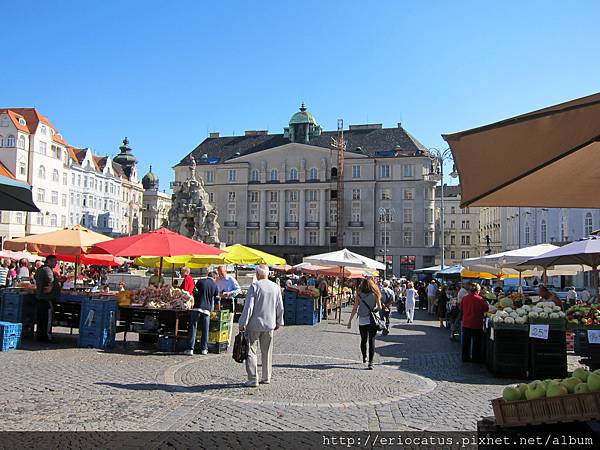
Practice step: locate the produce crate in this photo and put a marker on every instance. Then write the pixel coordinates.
(221, 315)
(289, 296)
(148, 338)
(304, 305)
(289, 316)
(10, 336)
(307, 318)
(580, 343)
(218, 347)
(566, 408)
(74, 297)
(218, 336)
(555, 324)
(510, 327)
(217, 326)
(96, 338)
(508, 353)
(19, 307)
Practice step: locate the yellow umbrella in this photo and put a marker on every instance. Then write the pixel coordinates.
(173, 261)
(240, 254)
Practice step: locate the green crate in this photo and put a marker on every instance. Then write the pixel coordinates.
(215, 325)
(221, 315)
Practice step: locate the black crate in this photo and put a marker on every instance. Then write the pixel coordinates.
(220, 347)
(548, 365)
(148, 338)
(580, 343)
(508, 353)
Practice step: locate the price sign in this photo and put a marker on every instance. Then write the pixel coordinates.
(491, 334)
(593, 336)
(539, 331)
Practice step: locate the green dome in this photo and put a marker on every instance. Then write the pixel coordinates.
(150, 180)
(303, 116)
(125, 157)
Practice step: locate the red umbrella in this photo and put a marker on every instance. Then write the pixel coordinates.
(96, 259)
(161, 243)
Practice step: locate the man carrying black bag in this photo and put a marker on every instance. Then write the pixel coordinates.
(387, 300)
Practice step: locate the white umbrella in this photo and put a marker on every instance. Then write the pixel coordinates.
(344, 258)
(432, 269)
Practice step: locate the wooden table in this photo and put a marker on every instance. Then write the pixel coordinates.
(167, 318)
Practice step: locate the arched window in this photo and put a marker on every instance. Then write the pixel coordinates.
(21, 143)
(527, 233)
(10, 141)
(544, 232)
(274, 175)
(334, 172)
(42, 173)
(313, 174)
(55, 176)
(589, 224)
(254, 175)
(294, 174)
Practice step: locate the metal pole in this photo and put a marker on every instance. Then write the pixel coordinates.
(519, 224)
(442, 237)
(385, 248)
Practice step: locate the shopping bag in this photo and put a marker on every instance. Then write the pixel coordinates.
(240, 348)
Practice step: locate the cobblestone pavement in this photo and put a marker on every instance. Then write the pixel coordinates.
(319, 383)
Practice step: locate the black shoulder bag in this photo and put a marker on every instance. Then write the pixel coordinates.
(374, 318)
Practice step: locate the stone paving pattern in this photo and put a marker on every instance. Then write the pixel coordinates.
(319, 383)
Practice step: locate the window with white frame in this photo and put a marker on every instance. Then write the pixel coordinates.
(231, 196)
(72, 198)
(356, 214)
(40, 195)
(333, 214)
(73, 179)
(253, 215)
(355, 171)
(274, 175)
(465, 254)
(273, 214)
(231, 214)
(355, 194)
(42, 173)
(409, 194)
(65, 178)
(312, 213)
(254, 175)
(293, 174)
(43, 147)
(384, 171)
(252, 237)
(429, 215)
(210, 176)
(22, 168)
(9, 141)
(293, 196)
(21, 142)
(313, 174)
(43, 130)
(230, 237)
(232, 175)
(19, 218)
(312, 238)
(53, 220)
(313, 196)
(272, 237)
(408, 215)
(55, 197)
(589, 224)
(292, 214)
(55, 176)
(527, 233)
(292, 237)
(273, 196)
(452, 254)
(408, 238)
(355, 238)
(63, 221)
(386, 194)
(408, 170)
(253, 196)
(40, 219)
(79, 182)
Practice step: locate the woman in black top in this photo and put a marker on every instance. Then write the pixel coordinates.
(441, 306)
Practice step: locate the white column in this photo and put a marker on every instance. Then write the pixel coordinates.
(301, 216)
(322, 216)
(282, 215)
(262, 217)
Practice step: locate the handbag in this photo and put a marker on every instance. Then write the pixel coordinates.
(375, 320)
(240, 348)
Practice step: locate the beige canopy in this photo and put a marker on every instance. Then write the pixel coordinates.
(546, 158)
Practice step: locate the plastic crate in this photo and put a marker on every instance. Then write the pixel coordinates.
(148, 338)
(555, 324)
(580, 343)
(310, 318)
(218, 347)
(218, 336)
(166, 344)
(10, 336)
(74, 297)
(289, 296)
(304, 305)
(216, 326)
(97, 339)
(566, 408)
(507, 355)
(221, 315)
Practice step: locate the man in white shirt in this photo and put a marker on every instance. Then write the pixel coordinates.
(571, 296)
(262, 314)
(431, 296)
(462, 292)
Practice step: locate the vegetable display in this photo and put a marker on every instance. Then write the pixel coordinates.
(524, 314)
(164, 297)
(584, 315)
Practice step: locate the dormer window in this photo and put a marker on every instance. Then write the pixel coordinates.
(22, 121)
(43, 129)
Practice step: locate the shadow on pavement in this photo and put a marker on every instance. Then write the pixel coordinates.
(173, 388)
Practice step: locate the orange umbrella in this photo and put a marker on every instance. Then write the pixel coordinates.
(69, 241)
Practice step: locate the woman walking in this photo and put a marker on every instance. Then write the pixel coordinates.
(473, 309)
(442, 305)
(411, 300)
(368, 299)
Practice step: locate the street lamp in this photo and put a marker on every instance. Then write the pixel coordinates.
(386, 215)
(440, 157)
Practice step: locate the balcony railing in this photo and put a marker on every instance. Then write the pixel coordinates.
(272, 224)
(230, 223)
(356, 224)
(291, 224)
(253, 224)
(311, 225)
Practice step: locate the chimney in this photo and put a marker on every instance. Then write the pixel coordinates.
(255, 132)
(367, 126)
(399, 124)
(214, 135)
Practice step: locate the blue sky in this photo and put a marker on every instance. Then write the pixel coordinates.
(166, 73)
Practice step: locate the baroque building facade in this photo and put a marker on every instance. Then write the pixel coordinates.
(278, 192)
(156, 204)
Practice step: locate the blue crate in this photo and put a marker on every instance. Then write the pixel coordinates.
(304, 305)
(10, 336)
(289, 296)
(98, 314)
(289, 319)
(310, 318)
(166, 344)
(102, 339)
(74, 298)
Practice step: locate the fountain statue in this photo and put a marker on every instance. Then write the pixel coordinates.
(191, 213)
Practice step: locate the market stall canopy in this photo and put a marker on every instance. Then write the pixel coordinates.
(466, 273)
(282, 268)
(68, 241)
(432, 269)
(162, 242)
(240, 254)
(18, 256)
(335, 271)
(551, 158)
(15, 195)
(344, 258)
(450, 271)
(95, 259)
(168, 261)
